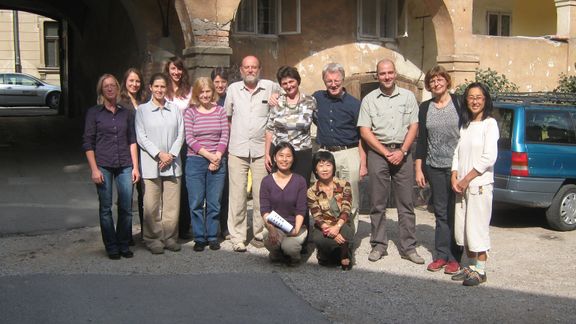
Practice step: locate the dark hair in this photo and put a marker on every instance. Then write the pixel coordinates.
(221, 72)
(321, 156)
(141, 94)
(184, 86)
(159, 76)
(280, 147)
(437, 71)
(288, 72)
(487, 112)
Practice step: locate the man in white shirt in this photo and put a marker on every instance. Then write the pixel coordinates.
(247, 108)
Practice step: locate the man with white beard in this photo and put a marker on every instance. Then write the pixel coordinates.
(247, 108)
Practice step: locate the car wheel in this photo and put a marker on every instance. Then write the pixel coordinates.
(53, 100)
(561, 215)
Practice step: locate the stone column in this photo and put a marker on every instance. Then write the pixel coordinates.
(461, 67)
(211, 48)
(566, 18)
(206, 26)
(566, 27)
(456, 51)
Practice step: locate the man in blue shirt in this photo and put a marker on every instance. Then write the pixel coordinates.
(336, 118)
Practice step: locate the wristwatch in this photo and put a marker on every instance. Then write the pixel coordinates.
(405, 152)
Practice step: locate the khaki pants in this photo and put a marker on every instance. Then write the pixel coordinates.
(237, 214)
(286, 246)
(472, 218)
(161, 211)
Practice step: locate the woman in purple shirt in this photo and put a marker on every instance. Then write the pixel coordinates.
(207, 132)
(111, 150)
(284, 193)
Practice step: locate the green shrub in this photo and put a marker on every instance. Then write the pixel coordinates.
(494, 82)
(566, 84)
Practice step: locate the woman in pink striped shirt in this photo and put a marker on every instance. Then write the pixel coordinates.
(207, 134)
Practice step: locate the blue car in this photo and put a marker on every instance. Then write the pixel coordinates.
(536, 165)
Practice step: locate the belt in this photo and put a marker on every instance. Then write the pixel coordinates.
(337, 148)
(394, 145)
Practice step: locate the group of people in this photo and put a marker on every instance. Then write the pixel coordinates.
(216, 137)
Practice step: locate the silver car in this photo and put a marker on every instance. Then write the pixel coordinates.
(19, 89)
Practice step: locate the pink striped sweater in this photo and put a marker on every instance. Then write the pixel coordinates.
(209, 131)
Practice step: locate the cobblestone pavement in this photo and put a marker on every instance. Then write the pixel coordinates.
(530, 275)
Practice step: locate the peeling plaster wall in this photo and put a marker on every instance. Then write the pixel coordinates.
(533, 64)
(328, 34)
(420, 47)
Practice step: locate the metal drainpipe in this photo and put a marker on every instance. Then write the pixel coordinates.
(16, 30)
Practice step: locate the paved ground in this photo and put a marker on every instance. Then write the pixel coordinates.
(44, 178)
(63, 276)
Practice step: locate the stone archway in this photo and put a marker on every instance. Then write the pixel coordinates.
(452, 20)
(206, 30)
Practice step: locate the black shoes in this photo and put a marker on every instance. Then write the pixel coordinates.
(127, 254)
(214, 245)
(117, 255)
(199, 246)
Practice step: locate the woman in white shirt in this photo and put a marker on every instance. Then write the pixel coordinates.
(160, 134)
(179, 92)
(472, 180)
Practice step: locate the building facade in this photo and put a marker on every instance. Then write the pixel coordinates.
(36, 39)
(530, 41)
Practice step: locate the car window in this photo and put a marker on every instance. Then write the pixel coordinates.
(2, 79)
(24, 80)
(504, 117)
(10, 79)
(549, 126)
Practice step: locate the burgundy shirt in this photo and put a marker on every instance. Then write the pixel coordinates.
(110, 135)
(287, 202)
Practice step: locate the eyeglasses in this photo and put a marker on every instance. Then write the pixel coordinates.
(477, 98)
(110, 86)
(437, 81)
(333, 82)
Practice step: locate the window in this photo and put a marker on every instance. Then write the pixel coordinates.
(51, 44)
(24, 80)
(505, 118)
(549, 127)
(381, 19)
(498, 23)
(268, 17)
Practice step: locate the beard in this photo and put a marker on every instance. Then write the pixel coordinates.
(251, 79)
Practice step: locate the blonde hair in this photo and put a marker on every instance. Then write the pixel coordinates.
(200, 84)
(100, 96)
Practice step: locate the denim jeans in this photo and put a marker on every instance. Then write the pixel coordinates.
(204, 195)
(116, 240)
(443, 200)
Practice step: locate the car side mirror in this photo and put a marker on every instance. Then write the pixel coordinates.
(38, 84)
